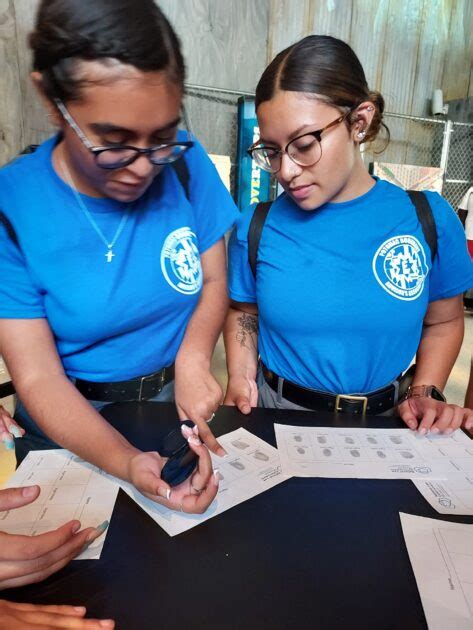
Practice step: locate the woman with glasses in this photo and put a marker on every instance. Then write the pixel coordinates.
(112, 257)
(345, 290)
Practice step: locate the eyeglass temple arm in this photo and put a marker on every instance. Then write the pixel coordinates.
(72, 123)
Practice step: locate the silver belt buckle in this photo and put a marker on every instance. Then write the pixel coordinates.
(351, 398)
(162, 376)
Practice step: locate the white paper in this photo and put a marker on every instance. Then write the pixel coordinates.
(70, 489)
(441, 555)
(370, 453)
(251, 467)
(452, 496)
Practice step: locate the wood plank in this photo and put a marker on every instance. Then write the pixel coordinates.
(331, 17)
(459, 52)
(224, 42)
(10, 103)
(289, 21)
(35, 121)
(434, 42)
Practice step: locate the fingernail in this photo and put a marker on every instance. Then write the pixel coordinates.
(75, 527)
(28, 491)
(448, 431)
(422, 431)
(98, 531)
(107, 623)
(412, 426)
(192, 439)
(186, 431)
(15, 431)
(7, 439)
(168, 494)
(80, 609)
(217, 478)
(195, 429)
(435, 430)
(222, 452)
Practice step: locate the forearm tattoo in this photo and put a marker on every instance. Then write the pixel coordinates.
(247, 331)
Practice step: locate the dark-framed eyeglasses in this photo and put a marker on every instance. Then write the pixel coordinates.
(111, 158)
(305, 150)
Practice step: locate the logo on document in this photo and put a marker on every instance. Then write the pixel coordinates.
(180, 261)
(400, 267)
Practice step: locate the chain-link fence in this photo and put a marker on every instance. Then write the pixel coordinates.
(414, 140)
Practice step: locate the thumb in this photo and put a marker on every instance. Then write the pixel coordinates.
(11, 498)
(152, 484)
(408, 416)
(243, 404)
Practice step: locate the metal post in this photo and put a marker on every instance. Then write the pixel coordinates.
(447, 136)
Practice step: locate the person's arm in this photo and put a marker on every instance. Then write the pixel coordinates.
(28, 348)
(197, 392)
(241, 345)
(440, 344)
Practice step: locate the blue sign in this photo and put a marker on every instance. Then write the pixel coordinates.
(253, 184)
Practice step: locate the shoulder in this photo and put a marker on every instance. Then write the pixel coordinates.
(21, 173)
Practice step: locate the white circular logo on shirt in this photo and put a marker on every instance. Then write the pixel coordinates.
(180, 261)
(400, 267)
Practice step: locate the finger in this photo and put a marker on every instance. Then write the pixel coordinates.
(209, 440)
(456, 422)
(31, 547)
(198, 503)
(54, 620)
(426, 421)
(468, 419)
(407, 416)
(77, 611)
(7, 439)
(443, 419)
(203, 472)
(28, 571)
(243, 404)
(150, 483)
(9, 424)
(12, 498)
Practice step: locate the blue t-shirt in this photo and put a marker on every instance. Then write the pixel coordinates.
(342, 291)
(118, 320)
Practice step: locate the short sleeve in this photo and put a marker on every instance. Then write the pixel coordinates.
(214, 208)
(19, 298)
(452, 269)
(241, 282)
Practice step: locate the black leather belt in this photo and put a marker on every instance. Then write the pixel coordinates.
(140, 388)
(375, 402)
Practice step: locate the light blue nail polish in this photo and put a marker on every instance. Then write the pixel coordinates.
(9, 443)
(15, 431)
(103, 526)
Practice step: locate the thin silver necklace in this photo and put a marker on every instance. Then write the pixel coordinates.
(109, 244)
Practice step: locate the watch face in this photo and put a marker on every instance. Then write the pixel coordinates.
(437, 394)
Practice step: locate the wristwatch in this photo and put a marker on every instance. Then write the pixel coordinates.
(429, 391)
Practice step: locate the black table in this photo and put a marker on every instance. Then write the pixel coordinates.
(309, 553)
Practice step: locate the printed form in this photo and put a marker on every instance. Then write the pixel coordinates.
(455, 494)
(371, 453)
(251, 467)
(70, 489)
(441, 555)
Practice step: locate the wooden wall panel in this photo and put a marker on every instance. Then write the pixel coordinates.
(332, 17)
(11, 123)
(459, 51)
(288, 22)
(224, 41)
(36, 124)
